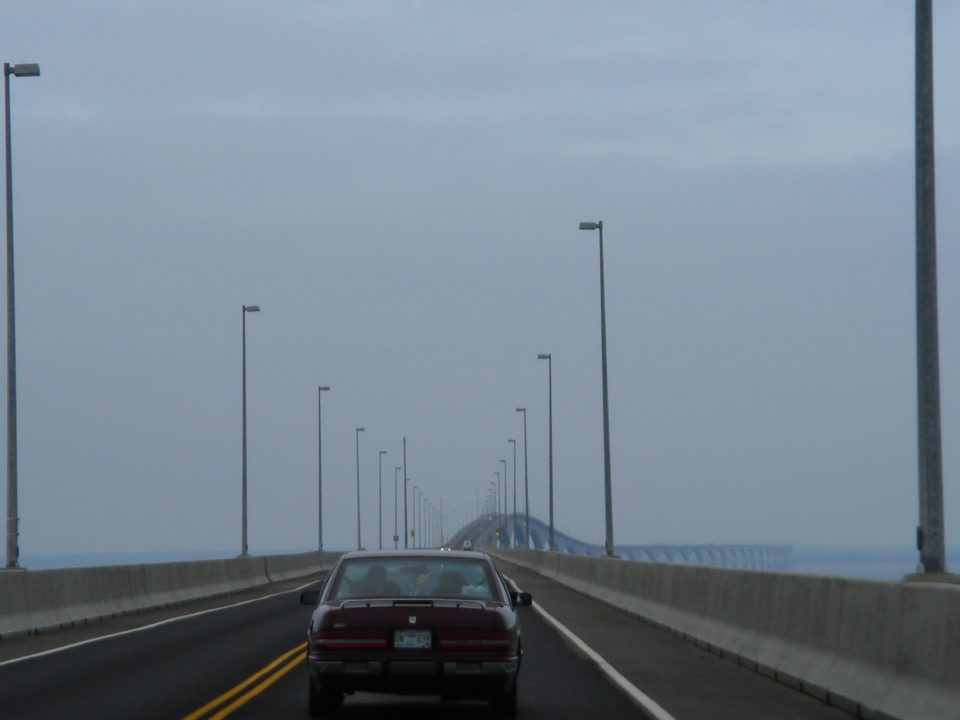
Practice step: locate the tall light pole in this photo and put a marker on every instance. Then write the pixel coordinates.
(513, 523)
(380, 499)
(359, 430)
(499, 509)
(526, 478)
(607, 492)
(396, 536)
(406, 480)
(13, 517)
(246, 309)
(414, 518)
(320, 391)
(419, 523)
(429, 525)
(930, 533)
(506, 504)
(549, 358)
(494, 501)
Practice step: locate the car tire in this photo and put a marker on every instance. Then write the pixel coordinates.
(323, 702)
(504, 703)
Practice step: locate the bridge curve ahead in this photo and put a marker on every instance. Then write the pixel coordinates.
(482, 532)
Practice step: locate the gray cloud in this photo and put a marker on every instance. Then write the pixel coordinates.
(399, 186)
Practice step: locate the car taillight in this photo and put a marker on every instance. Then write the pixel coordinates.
(350, 640)
(473, 640)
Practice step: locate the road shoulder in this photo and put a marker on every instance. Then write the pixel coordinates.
(681, 677)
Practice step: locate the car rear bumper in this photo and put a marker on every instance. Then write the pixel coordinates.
(321, 669)
(455, 678)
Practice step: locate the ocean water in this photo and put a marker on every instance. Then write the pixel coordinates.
(870, 563)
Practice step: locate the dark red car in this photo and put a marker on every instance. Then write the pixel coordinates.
(426, 622)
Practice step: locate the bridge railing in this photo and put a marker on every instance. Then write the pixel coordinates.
(32, 601)
(880, 649)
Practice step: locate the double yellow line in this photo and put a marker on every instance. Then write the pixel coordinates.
(260, 680)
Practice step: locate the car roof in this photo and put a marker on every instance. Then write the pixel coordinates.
(386, 554)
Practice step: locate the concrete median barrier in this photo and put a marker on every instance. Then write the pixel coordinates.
(36, 601)
(877, 649)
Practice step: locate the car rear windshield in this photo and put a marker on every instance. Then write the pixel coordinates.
(413, 577)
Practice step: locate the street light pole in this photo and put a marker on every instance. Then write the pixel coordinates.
(414, 518)
(549, 358)
(13, 516)
(513, 523)
(359, 430)
(419, 523)
(607, 492)
(526, 478)
(499, 510)
(246, 309)
(494, 495)
(380, 500)
(396, 537)
(320, 390)
(429, 525)
(406, 480)
(930, 533)
(506, 504)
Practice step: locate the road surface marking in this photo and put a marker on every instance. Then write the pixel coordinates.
(246, 697)
(178, 618)
(635, 694)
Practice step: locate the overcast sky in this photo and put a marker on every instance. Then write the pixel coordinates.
(398, 185)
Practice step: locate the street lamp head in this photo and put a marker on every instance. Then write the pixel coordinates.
(383, 452)
(324, 388)
(544, 356)
(512, 441)
(251, 308)
(21, 69)
(360, 430)
(591, 225)
(523, 409)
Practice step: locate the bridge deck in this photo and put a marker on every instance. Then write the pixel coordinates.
(680, 677)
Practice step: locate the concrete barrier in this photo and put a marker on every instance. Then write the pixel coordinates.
(35, 601)
(877, 649)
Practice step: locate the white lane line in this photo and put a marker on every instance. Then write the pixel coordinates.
(635, 693)
(90, 641)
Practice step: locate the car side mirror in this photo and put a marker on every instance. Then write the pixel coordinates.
(521, 599)
(309, 597)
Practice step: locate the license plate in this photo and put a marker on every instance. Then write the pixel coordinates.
(411, 639)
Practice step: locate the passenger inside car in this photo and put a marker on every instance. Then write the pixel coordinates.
(376, 584)
(404, 577)
(450, 584)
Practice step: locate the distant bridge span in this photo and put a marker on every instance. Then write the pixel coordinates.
(482, 533)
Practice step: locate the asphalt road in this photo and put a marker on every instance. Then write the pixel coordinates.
(182, 666)
(554, 683)
(247, 661)
(165, 671)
